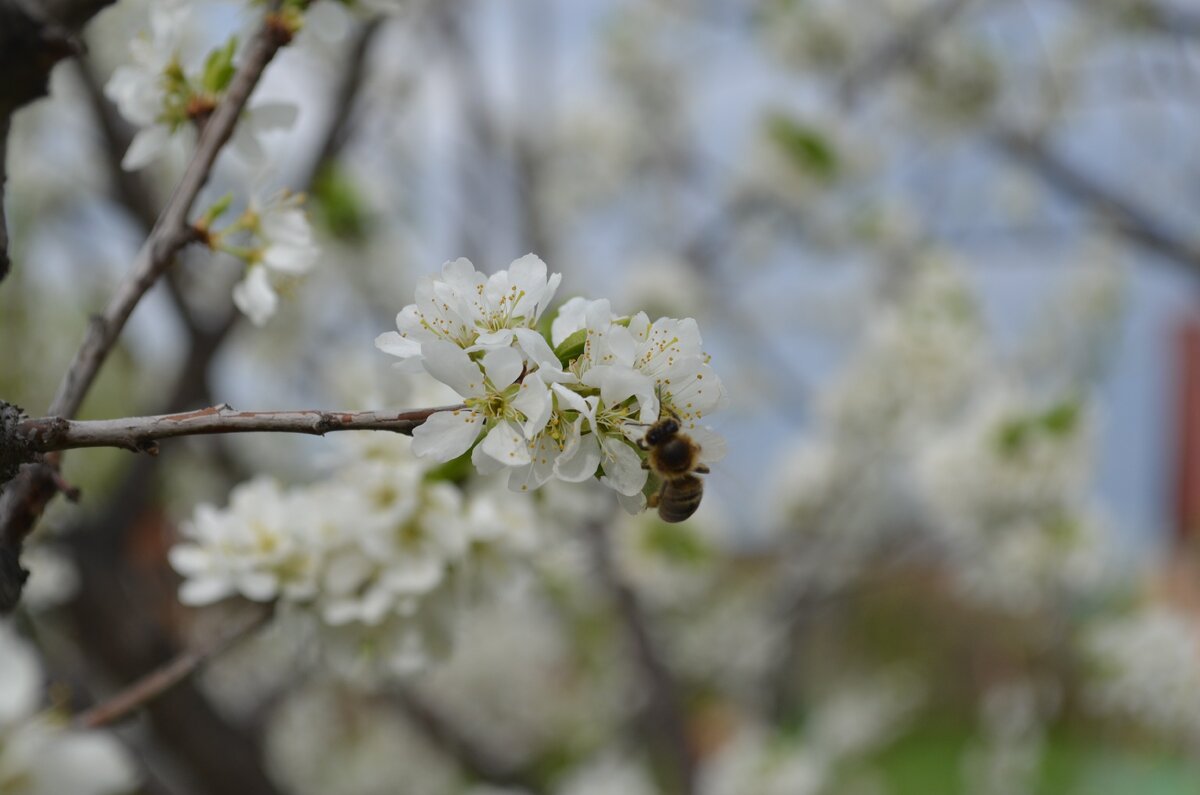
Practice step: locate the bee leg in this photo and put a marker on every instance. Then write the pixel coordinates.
(652, 500)
(702, 469)
(645, 464)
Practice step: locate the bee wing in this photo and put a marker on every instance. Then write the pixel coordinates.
(712, 444)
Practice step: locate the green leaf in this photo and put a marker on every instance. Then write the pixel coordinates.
(1060, 420)
(805, 146)
(218, 68)
(339, 206)
(572, 347)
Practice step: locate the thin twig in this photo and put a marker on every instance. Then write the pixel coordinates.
(4, 258)
(171, 231)
(666, 722)
(903, 47)
(339, 125)
(163, 679)
(1135, 223)
(476, 758)
(141, 434)
(25, 497)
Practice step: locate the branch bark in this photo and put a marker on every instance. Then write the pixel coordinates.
(141, 434)
(1135, 223)
(25, 497)
(162, 679)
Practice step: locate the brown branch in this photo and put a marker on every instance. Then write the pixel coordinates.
(1136, 223)
(339, 126)
(141, 434)
(900, 49)
(25, 497)
(665, 722)
(4, 258)
(162, 679)
(171, 231)
(476, 758)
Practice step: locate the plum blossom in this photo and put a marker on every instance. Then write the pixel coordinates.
(165, 93)
(283, 247)
(471, 310)
(570, 407)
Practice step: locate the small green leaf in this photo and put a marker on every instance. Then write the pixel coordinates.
(1060, 420)
(339, 205)
(572, 347)
(218, 68)
(805, 146)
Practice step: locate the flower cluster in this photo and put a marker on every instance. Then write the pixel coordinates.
(275, 240)
(163, 93)
(39, 753)
(1148, 670)
(569, 406)
(379, 554)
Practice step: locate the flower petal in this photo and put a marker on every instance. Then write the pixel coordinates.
(452, 366)
(447, 434)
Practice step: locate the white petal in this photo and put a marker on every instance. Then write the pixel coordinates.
(255, 297)
(502, 366)
(392, 343)
(86, 763)
(581, 461)
(493, 340)
(204, 591)
(447, 434)
(622, 467)
(146, 146)
(571, 317)
(506, 444)
(452, 366)
(533, 400)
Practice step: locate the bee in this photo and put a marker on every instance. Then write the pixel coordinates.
(675, 458)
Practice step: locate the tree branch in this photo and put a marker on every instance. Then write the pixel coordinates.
(901, 48)
(171, 231)
(1135, 223)
(25, 497)
(666, 722)
(141, 434)
(164, 678)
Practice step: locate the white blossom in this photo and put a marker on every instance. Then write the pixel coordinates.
(283, 247)
(1147, 670)
(470, 310)
(39, 753)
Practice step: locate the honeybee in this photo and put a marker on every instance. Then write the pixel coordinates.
(675, 459)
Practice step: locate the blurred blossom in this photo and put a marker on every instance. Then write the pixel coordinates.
(379, 553)
(609, 775)
(1147, 670)
(326, 739)
(40, 754)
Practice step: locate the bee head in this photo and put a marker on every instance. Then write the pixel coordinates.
(661, 431)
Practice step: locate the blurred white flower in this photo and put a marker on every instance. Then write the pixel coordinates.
(261, 547)
(1147, 670)
(39, 754)
(282, 247)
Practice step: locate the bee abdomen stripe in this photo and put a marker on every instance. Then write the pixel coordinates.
(680, 500)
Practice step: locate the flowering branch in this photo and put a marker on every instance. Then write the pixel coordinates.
(26, 496)
(141, 434)
(164, 678)
(171, 231)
